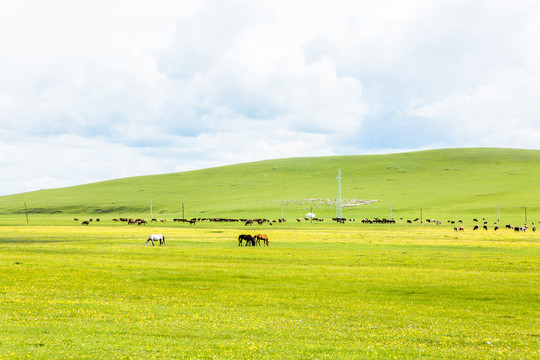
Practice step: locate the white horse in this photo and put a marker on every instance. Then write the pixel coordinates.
(156, 237)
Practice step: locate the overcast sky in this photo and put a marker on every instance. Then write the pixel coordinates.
(99, 90)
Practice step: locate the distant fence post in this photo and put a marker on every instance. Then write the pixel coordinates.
(26, 212)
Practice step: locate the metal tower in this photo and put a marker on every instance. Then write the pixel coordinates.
(339, 202)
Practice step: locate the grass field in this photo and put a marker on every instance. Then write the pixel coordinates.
(439, 184)
(319, 291)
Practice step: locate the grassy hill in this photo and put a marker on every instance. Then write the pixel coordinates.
(442, 184)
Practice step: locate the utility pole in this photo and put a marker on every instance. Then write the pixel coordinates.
(339, 205)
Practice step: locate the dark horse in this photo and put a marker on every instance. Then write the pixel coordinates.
(248, 238)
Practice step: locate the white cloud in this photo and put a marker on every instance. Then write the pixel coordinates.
(214, 82)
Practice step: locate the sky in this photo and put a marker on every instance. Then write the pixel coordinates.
(100, 90)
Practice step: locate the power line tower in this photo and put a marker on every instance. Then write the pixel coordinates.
(339, 202)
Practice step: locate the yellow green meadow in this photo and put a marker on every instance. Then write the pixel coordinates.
(319, 291)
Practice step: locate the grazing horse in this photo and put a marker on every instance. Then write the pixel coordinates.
(248, 238)
(86, 222)
(260, 237)
(156, 237)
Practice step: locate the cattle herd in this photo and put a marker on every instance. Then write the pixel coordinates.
(262, 239)
(261, 221)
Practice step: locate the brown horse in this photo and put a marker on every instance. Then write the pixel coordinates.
(260, 237)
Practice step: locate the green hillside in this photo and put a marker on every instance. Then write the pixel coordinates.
(443, 184)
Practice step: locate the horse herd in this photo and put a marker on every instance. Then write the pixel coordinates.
(253, 240)
(250, 240)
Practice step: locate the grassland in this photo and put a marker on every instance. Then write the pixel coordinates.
(319, 291)
(443, 184)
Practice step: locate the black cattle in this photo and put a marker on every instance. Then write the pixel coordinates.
(476, 227)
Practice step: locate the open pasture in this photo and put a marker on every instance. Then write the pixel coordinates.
(320, 291)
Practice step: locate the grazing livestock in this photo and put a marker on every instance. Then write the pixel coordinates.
(475, 227)
(86, 222)
(260, 237)
(156, 237)
(485, 227)
(461, 228)
(247, 238)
